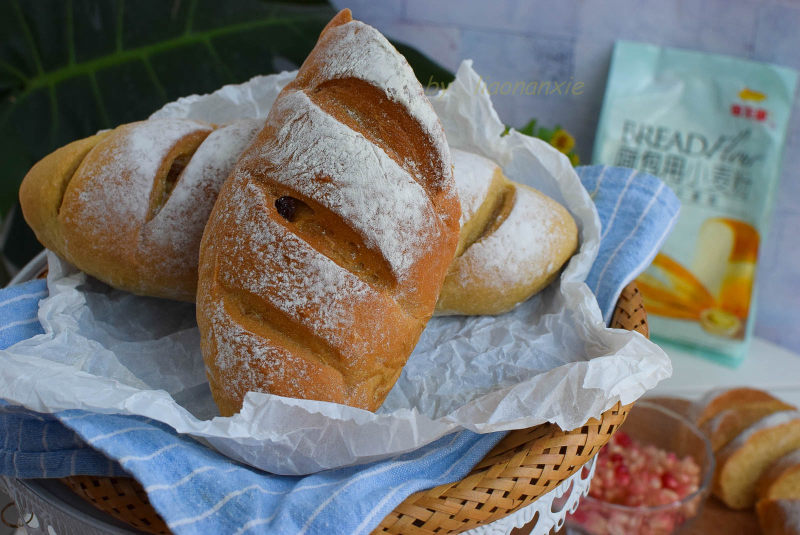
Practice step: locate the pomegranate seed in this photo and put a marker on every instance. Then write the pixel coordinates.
(634, 474)
(623, 439)
(668, 481)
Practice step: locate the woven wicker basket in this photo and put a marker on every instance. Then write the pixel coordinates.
(522, 467)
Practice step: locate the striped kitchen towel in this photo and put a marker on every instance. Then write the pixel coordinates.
(197, 490)
(637, 211)
(18, 307)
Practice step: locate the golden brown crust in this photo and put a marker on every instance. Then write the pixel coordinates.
(104, 242)
(42, 191)
(128, 206)
(514, 241)
(325, 252)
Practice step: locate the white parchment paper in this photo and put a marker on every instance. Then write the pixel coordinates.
(550, 359)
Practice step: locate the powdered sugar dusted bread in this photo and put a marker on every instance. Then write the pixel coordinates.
(781, 479)
(513, 242)
(325, 253)
(779, 517)
(742, 462)
(129, 206)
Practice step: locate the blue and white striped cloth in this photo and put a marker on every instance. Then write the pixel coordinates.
(18, 308)
(637, 212)
(197, 490)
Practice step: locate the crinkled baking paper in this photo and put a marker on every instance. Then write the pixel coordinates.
(549, 360)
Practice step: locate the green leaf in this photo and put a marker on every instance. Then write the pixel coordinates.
(71, 67)
(529, 128)
(545, 133)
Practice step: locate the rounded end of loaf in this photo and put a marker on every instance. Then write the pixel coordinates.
(514, 241)
(342, 17)
(42, 190)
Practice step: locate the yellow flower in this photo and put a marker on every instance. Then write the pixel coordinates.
(574, 159)
(562, 140)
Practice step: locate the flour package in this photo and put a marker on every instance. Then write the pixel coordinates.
(713, 129)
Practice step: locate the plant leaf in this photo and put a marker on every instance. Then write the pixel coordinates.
(69, 68)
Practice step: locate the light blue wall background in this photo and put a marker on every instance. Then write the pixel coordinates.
(563, 39)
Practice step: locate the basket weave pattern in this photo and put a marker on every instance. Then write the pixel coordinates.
(524, 465)
(121, 497)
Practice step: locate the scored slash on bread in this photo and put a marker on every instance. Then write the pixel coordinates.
(128, 206)
(324, 255)
(513, 242)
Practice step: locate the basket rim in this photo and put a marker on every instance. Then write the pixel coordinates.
(30, 270)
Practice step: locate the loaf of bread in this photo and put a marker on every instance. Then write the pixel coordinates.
(129, 205)
(326, 250)
(779, 517)
(513, 239)
(781, 479)
(745, 459)
(513, 242)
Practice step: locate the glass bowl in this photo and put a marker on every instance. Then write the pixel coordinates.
(650, 423)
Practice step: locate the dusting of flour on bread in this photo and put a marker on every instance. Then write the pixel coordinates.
(366, 187)
(358, 50)
(472, 181)
(285, 270)
(124, 180)
(178, 226)
(327, 248)
(265, 260)
(791, 512)
(787, 461)
(510, 256)
(107, 202)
